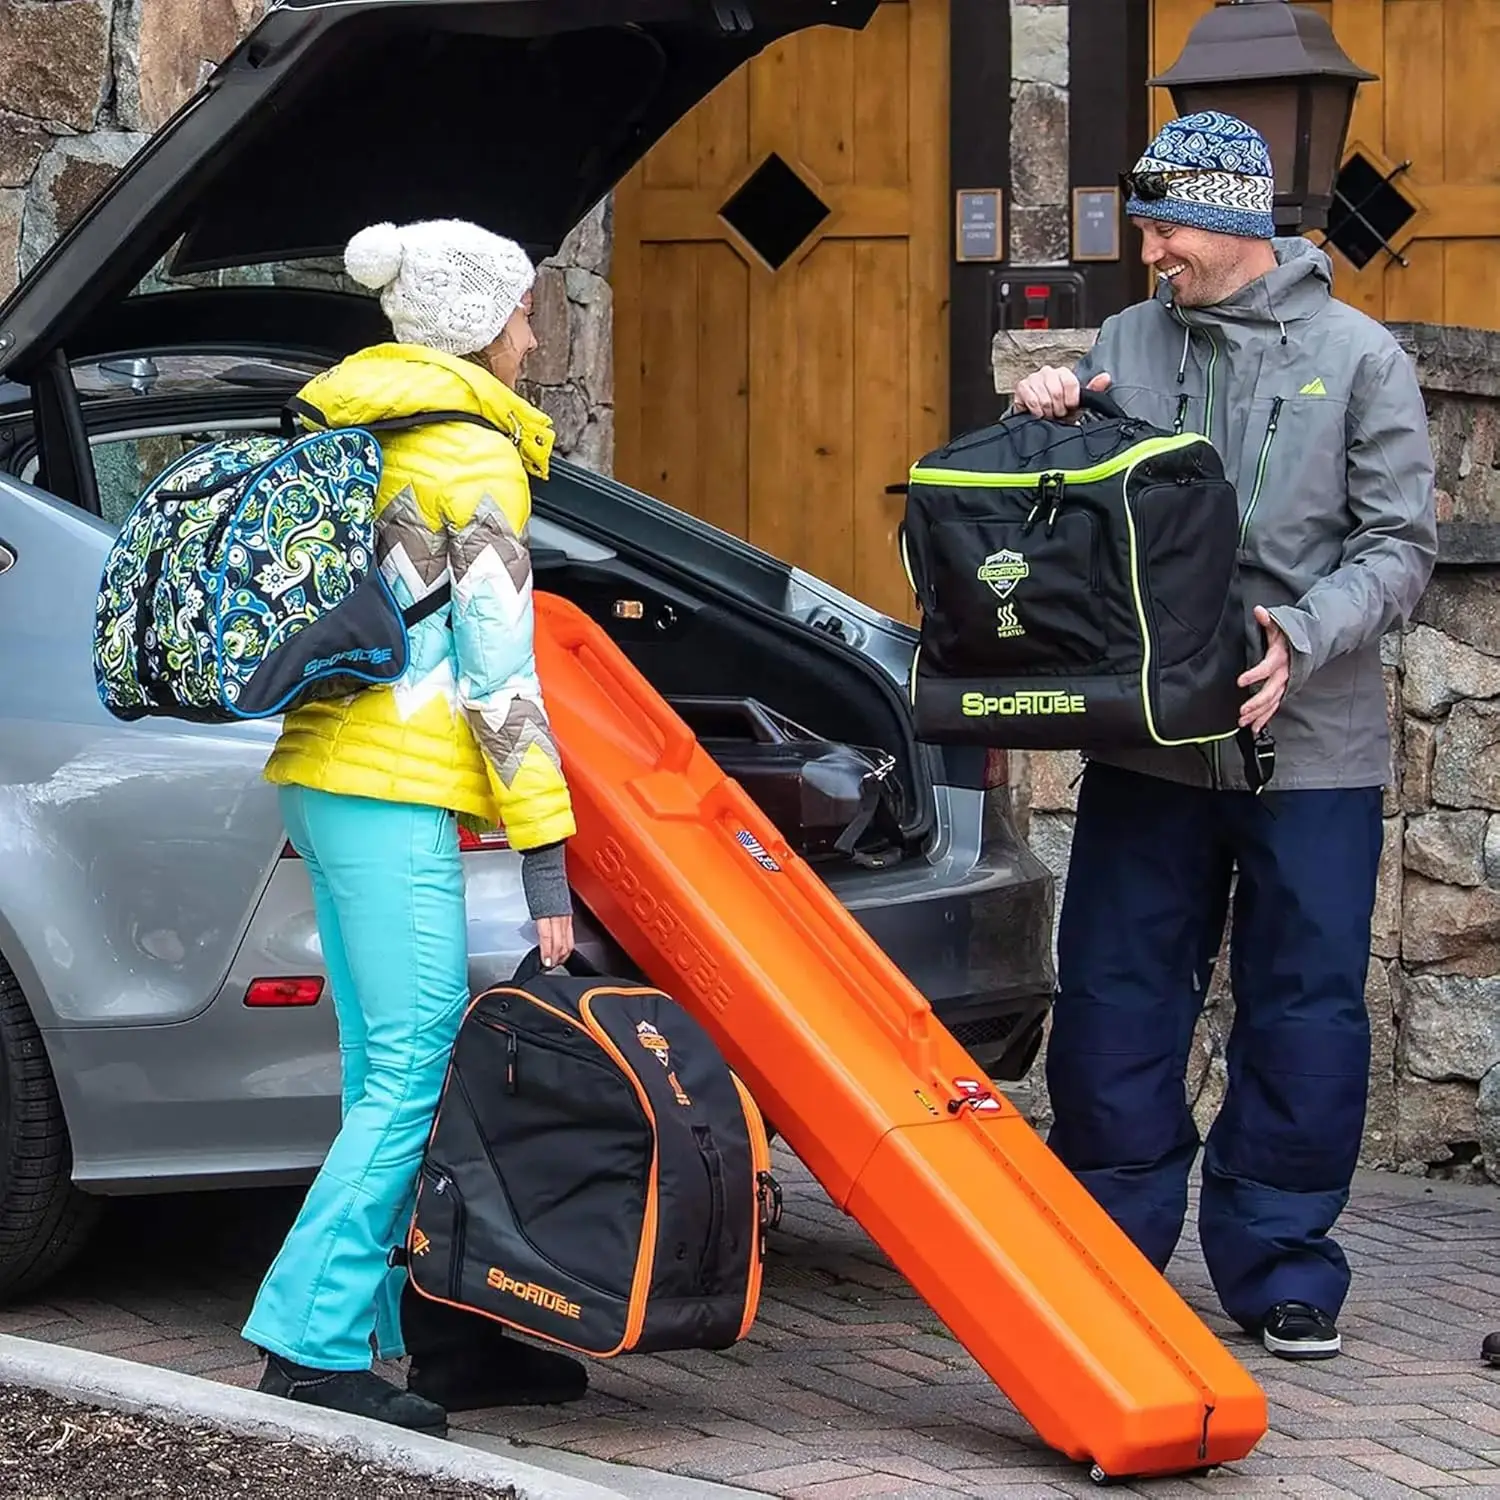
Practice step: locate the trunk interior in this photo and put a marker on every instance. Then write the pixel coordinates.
(692, 640)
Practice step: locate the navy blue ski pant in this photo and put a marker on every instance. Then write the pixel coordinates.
(1147, 891)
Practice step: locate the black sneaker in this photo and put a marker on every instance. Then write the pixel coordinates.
(359, 1393)
(1489, 1351)
(1296, 1330)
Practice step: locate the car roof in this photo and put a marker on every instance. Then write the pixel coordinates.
(519, 115)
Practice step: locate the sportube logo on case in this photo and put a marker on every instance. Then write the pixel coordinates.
(1022, 705)
(1003, 571)
(537, 1296)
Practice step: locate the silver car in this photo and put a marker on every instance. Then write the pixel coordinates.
(164, 1020)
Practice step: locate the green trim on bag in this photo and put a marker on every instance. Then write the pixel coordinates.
(1121, 462)
(1140, 614)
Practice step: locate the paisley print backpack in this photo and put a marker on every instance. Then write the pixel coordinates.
(245, 583)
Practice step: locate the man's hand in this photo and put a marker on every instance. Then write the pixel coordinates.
(1054, 392)
(555, 938)
(1275, 671)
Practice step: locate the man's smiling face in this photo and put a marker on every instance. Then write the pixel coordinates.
(1204, 268)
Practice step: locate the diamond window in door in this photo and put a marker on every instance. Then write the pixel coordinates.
(1369, 212)
(774, 211)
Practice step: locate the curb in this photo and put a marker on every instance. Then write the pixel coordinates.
(102, 1380)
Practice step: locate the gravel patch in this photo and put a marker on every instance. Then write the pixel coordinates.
(55, 1449)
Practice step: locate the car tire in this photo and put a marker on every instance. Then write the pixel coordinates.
(44, 1220)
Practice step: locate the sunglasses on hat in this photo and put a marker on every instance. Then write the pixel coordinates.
(1153, 186)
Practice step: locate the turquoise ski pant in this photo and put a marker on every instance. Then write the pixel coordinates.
(388, 887)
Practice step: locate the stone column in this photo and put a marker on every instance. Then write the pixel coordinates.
(571, 376)
(1040, 223)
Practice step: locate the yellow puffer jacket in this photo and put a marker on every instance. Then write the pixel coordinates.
(465, 727)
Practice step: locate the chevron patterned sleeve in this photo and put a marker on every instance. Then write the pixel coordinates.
(498, 688)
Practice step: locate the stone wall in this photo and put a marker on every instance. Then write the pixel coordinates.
(1433, 991)
(1040, 223)
(572, 374)
(83, 83)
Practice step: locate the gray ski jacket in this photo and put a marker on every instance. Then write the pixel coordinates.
(1317, 414)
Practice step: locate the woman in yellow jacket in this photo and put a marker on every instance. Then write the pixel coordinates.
(373, 788)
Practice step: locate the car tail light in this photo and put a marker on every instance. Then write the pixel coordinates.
(471, 842)
(467, 843)
(267, 994)
(996, 769)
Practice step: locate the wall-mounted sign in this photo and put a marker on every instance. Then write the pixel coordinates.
(1096, 223)
(981, 220)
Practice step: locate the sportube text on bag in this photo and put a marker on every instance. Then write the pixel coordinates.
(1078, 584)
(597, 1175)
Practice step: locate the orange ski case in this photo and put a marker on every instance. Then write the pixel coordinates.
(1075, 1326)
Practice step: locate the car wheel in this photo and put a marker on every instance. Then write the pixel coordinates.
(44, 1220)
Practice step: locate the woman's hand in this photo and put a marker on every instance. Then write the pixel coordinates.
(555, 937)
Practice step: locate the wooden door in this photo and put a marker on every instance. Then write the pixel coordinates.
(1435, 105)
(777, 384)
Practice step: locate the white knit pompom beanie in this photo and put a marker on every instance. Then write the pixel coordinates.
(443, 283)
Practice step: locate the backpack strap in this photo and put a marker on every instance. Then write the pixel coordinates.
(296, 408)
(425, 608)
(1258, 752)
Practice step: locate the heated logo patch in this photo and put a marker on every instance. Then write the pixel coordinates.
(1003, 571)
(756, 850)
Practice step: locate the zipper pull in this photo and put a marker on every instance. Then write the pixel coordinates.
(1182, 406)
(1059, 488)
(1275, 417)
(512, 1049)
(1041, 499)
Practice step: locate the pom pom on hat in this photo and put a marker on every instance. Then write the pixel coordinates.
(444, 283)
(373, 258)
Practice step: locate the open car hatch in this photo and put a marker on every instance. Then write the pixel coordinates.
(519, 115)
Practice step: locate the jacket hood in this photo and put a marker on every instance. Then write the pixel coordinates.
(1298, 289)
(400, 380)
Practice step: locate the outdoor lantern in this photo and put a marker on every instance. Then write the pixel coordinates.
(1278, 67)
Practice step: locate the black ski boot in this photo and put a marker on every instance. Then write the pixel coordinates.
(466, 1362)
(360, 1393)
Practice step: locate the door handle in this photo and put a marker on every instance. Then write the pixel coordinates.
(7, 558)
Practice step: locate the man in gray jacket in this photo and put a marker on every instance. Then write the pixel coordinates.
(1320, 422)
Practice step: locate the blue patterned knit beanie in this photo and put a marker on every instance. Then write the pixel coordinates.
(1230, 187)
